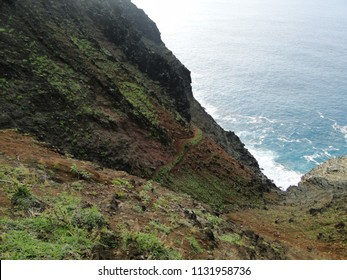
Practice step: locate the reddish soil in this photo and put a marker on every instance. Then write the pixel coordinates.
(272, 224)
(295, 235)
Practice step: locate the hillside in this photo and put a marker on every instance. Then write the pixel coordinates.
(94, 79)
(105, 153)
(311, 219)
(56, 207)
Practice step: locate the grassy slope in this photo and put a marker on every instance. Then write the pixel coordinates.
(55, 207)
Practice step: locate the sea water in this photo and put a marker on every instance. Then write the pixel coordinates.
(273, 71)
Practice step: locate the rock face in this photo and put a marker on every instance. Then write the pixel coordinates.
(94, 79)
(332, 174)
(323, 187)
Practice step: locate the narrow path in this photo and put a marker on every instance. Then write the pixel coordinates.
(192, 141)
(182, 146)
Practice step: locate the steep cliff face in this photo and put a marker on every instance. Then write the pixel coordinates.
(94, 79)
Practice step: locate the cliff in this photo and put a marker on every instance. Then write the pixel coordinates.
(105, 153)
(332, 175)
(94, 79)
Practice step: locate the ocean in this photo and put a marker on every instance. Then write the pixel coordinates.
(272, 71)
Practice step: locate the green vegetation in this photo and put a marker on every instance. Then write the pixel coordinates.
(23, 245)
(214, 220)
(99, 56)
(161, 203)
(86, 110)
(3, 83)
(119, 182)
(147, 245)
(2, 29)
(19, 180)
(148, 186)
(137, 208)
(23, 198)
(137, 97)
(78, 185)
(197, 139)
(161, 227)
(145, 198)
(64, 231)
(210, 191)
(194, 244)
(232, 238)
(80, 172)
(85, 46)
(62, 78)
(166, 169)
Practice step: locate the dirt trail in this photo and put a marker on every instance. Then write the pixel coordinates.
(181, 143)
(182, 146)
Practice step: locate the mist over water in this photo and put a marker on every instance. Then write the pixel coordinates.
(273, 71)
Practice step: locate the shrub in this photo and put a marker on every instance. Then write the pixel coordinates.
(148, 246)
(64, 231)
(194, 244)
(41, 238)
(88, 218)
(214, 220)
(145, 198)
(80, 173)
(67, 210)
(160, 227)
(121, 182)
(233, 238)
(78, 185)
(24, 200)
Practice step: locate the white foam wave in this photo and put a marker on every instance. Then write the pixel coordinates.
(247, 119)
(284, 139)
(267, 119)
(321, 115)
(321, 155)
(275, 171)
(312, 158)
(340, 128)
(249, 137)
